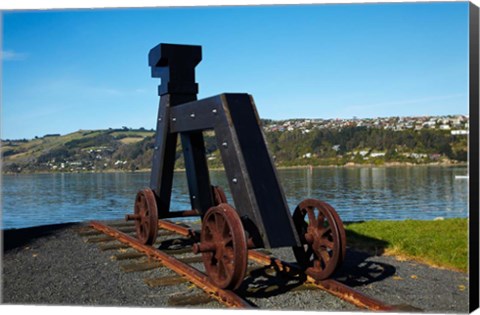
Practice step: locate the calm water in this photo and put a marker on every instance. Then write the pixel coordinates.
(356, 193)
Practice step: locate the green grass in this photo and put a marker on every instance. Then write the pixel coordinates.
(133, 133)
(441, 243)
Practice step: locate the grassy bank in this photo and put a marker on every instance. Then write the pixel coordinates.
(442, 243)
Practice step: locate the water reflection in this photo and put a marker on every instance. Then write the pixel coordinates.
(357, 193)
(384, 193)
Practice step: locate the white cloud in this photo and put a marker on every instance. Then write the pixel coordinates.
(9, 55)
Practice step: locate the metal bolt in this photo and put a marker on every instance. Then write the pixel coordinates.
(193, 197)
(225, 144)
(192, 115)
(235, 180)
(156, 148)
(174, 119)
(214, 111)
(159, 118)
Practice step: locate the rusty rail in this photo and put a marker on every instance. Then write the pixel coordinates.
(333, 287)
(351, 295)
(162, 224)
(193, 275)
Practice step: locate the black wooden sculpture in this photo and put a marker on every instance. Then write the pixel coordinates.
(261, 218)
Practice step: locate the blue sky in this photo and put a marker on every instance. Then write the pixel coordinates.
(65, 70)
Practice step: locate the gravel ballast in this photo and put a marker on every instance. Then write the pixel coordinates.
(55, 265)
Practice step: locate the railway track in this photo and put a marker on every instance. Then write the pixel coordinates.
(189, 269)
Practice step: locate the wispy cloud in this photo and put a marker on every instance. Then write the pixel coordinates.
(11, 55)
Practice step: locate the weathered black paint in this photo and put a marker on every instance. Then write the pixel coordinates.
(257, 193)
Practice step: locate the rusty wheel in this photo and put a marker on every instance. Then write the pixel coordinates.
(223, 246)
(322, 233)
(218, 195)
(146, 216)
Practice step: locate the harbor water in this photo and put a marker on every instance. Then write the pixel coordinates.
(358, 194)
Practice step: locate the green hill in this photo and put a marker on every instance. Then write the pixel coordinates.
(131, 149)
(84, 150)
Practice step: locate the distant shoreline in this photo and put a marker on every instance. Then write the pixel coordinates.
(348, 165)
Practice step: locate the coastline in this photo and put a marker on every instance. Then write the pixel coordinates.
(281, 167)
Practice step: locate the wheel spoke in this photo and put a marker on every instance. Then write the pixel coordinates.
(228, 241)
(321, 220)
(143, 204)
(327, 243)
(222, 269)
(326, 232)
(220, 225)
(213, 228)
(311, 217)
(324, 256)
(209, 231)
(228, 253)
(143, 232)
